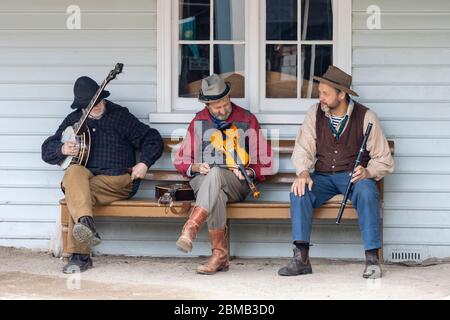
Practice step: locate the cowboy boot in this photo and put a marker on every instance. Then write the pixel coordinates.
(191, 229)
(373, 268)
(219, 258)
(299, 264)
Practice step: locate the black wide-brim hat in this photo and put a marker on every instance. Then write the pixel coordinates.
(84, 90)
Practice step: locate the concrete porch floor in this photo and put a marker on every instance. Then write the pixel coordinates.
(26, 274)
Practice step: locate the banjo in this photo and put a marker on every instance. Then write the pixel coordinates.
(79, 132)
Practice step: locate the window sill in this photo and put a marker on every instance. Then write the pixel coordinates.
(264, 118)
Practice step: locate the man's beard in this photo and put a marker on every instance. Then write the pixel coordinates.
(92, 114)
(223, 118)
(331, 106)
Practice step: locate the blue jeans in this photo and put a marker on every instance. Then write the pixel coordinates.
(364, 196)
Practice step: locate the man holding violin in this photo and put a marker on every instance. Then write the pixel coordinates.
(224, 152)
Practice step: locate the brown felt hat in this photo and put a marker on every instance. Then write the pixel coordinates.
(338, 79)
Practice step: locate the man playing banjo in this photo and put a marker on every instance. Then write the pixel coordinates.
(111, 172)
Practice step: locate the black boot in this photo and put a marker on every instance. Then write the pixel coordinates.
(78, 263)
(298, 265)
(373, 268)
(85, 232)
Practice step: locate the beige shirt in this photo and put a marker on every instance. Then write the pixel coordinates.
(304, 157)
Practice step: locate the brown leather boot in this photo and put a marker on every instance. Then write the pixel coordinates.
(219, 258)
(191, 229)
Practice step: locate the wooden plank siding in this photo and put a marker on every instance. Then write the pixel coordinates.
(39, 61)
(402, 72)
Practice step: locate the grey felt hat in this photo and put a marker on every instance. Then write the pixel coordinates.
(213, 88)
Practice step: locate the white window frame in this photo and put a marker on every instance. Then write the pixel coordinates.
(167, 34)
(189, 104)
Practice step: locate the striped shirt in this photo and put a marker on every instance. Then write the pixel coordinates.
(336, 121)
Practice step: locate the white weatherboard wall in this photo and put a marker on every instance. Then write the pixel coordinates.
(401, 71)
(40, 60)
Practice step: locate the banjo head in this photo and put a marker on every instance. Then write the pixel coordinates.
(68, 135)
(83, 140)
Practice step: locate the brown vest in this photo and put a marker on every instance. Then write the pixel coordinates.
(340, 155)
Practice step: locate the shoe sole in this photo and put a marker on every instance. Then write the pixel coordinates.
(225, 269)
(294, 274)
(184, 245)
(372, 272)
(79, 270)
(84, 235)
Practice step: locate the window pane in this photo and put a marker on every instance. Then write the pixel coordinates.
(281, 71)
(194, 66)
(315, 61)
(229, 63)
(281, 18)
(195, 18)
(317, 20)
(229, 18)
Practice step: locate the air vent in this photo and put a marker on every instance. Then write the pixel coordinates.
(406, 254)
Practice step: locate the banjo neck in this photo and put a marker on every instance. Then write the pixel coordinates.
(111, 76)
(90, 107)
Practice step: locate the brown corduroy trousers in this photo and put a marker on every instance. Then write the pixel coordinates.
(83, 191)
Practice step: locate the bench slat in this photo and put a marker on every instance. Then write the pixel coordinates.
(174, 176)
(241, 210)
(282, 146)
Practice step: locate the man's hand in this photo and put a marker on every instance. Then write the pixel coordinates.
(139, 171)
(202, 168)
(239, 174)
(70, 149)
(298, 187)
(361, 173)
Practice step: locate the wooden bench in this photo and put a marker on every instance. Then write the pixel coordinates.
(148, 208)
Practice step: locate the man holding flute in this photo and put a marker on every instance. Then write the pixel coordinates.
(328, 144)
(215, 180)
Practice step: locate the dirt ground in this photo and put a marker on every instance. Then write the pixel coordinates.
(26, 274)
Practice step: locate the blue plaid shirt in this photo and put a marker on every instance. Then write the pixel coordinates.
(116, 137)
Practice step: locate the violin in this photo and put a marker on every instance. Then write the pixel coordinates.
(226, 140)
